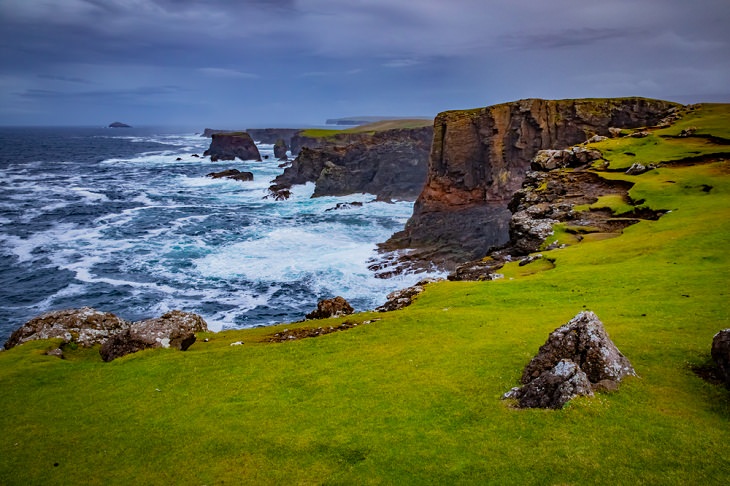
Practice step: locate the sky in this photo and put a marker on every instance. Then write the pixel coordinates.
(277, 63)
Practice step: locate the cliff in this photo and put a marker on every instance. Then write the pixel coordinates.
(479, 159)
(229, 145)
(271, 135)
(391, 164)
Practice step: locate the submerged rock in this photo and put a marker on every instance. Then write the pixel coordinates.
(331, 308)
(234, 174)
(576, 359)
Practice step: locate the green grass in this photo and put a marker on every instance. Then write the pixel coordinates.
(414, 398)
(368, 127)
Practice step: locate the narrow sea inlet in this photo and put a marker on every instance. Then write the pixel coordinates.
(110, 218)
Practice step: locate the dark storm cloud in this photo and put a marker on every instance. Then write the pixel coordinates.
(316, 59)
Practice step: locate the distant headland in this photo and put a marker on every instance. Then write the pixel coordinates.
(117, 124)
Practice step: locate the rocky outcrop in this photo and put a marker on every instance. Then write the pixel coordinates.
(479, 160)
(331, 308)
(117, 124)
(721, 354)
(89, 327)
(234, 174)
(232, 145)
(577, 359)
(175, 330)
(280, 148)
(85, 327)
(390, 164)
(400, 299)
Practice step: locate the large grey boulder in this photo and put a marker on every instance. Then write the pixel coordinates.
(554, 387)
(84, 326)
(721, 354)
(584, 342)
(176, 330)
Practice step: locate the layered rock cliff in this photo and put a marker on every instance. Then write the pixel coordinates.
(391, 164)
(232, 145)
(479, 159)
(271, 135)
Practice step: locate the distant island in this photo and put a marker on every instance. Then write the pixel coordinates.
(119, 125)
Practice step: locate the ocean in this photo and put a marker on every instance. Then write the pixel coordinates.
(109, 218)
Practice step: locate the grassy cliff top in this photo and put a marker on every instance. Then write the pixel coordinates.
(414, 397)
(370, 127)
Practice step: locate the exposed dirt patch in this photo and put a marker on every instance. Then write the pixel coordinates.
(309, 332)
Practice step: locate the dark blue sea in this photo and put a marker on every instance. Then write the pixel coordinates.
(108, 218)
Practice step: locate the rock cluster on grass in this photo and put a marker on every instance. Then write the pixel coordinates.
(88, 327)
(721, 354)
(331, 308)
(577, 359)
(399, 299)
(176, 330)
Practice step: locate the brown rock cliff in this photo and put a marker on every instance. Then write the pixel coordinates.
(479, 159)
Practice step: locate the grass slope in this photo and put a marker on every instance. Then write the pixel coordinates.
(414, 398)
(369, 127)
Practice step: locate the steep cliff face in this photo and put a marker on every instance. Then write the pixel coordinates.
(228, 146)
(479, 159)
(391, 164)
(271, 135)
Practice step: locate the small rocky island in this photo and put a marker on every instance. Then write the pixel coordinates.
(117, 124)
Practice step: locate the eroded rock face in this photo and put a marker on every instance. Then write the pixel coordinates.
(390, 164)
(176, 330)
(576, 359)
(331, 308)
(232, 145)
(479, 159)
(721, 354)
(84, 326)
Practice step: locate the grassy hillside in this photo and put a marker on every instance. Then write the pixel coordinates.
(370, 127)
(414, 397)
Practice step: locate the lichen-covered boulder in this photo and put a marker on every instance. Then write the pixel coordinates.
(582, 343)
(331, 308)
(554, 387)
(583, 340)
(176, 330)
(721, 354)
(84, 326)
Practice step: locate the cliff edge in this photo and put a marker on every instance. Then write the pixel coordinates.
(479, 159)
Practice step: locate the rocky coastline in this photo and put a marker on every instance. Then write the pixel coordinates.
(390, 164)
(480, 158)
